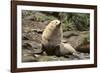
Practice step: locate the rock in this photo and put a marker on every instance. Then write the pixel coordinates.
(24, 36)
(28, 59)
(51, 58)
(77, 39)
(69, 34)
(34, 47)
(32, 36)
(29, 25)
(27, 56)
(37, 30)
(84, 48)
(30, 17)
(84, 56)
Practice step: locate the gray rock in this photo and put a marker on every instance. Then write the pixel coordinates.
(77, 39)
(32, 36)
(28, 56)
(34, 47)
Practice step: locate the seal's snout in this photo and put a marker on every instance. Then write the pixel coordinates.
(60, 23)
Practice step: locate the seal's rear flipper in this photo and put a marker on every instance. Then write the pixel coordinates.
(76, 55)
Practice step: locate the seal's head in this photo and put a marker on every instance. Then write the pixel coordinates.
(56, 22)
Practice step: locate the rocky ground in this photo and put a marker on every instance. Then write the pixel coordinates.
(31, 41)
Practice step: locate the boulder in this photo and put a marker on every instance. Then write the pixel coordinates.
(79, 40)
(33, 47)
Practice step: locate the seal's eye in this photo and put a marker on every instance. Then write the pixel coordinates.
(56, 22)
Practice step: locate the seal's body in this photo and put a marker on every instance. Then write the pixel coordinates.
(65, 49)
(51, 37)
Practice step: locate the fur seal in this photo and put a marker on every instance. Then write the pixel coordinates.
(65, 49)
(51, 40)
(51, 37)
